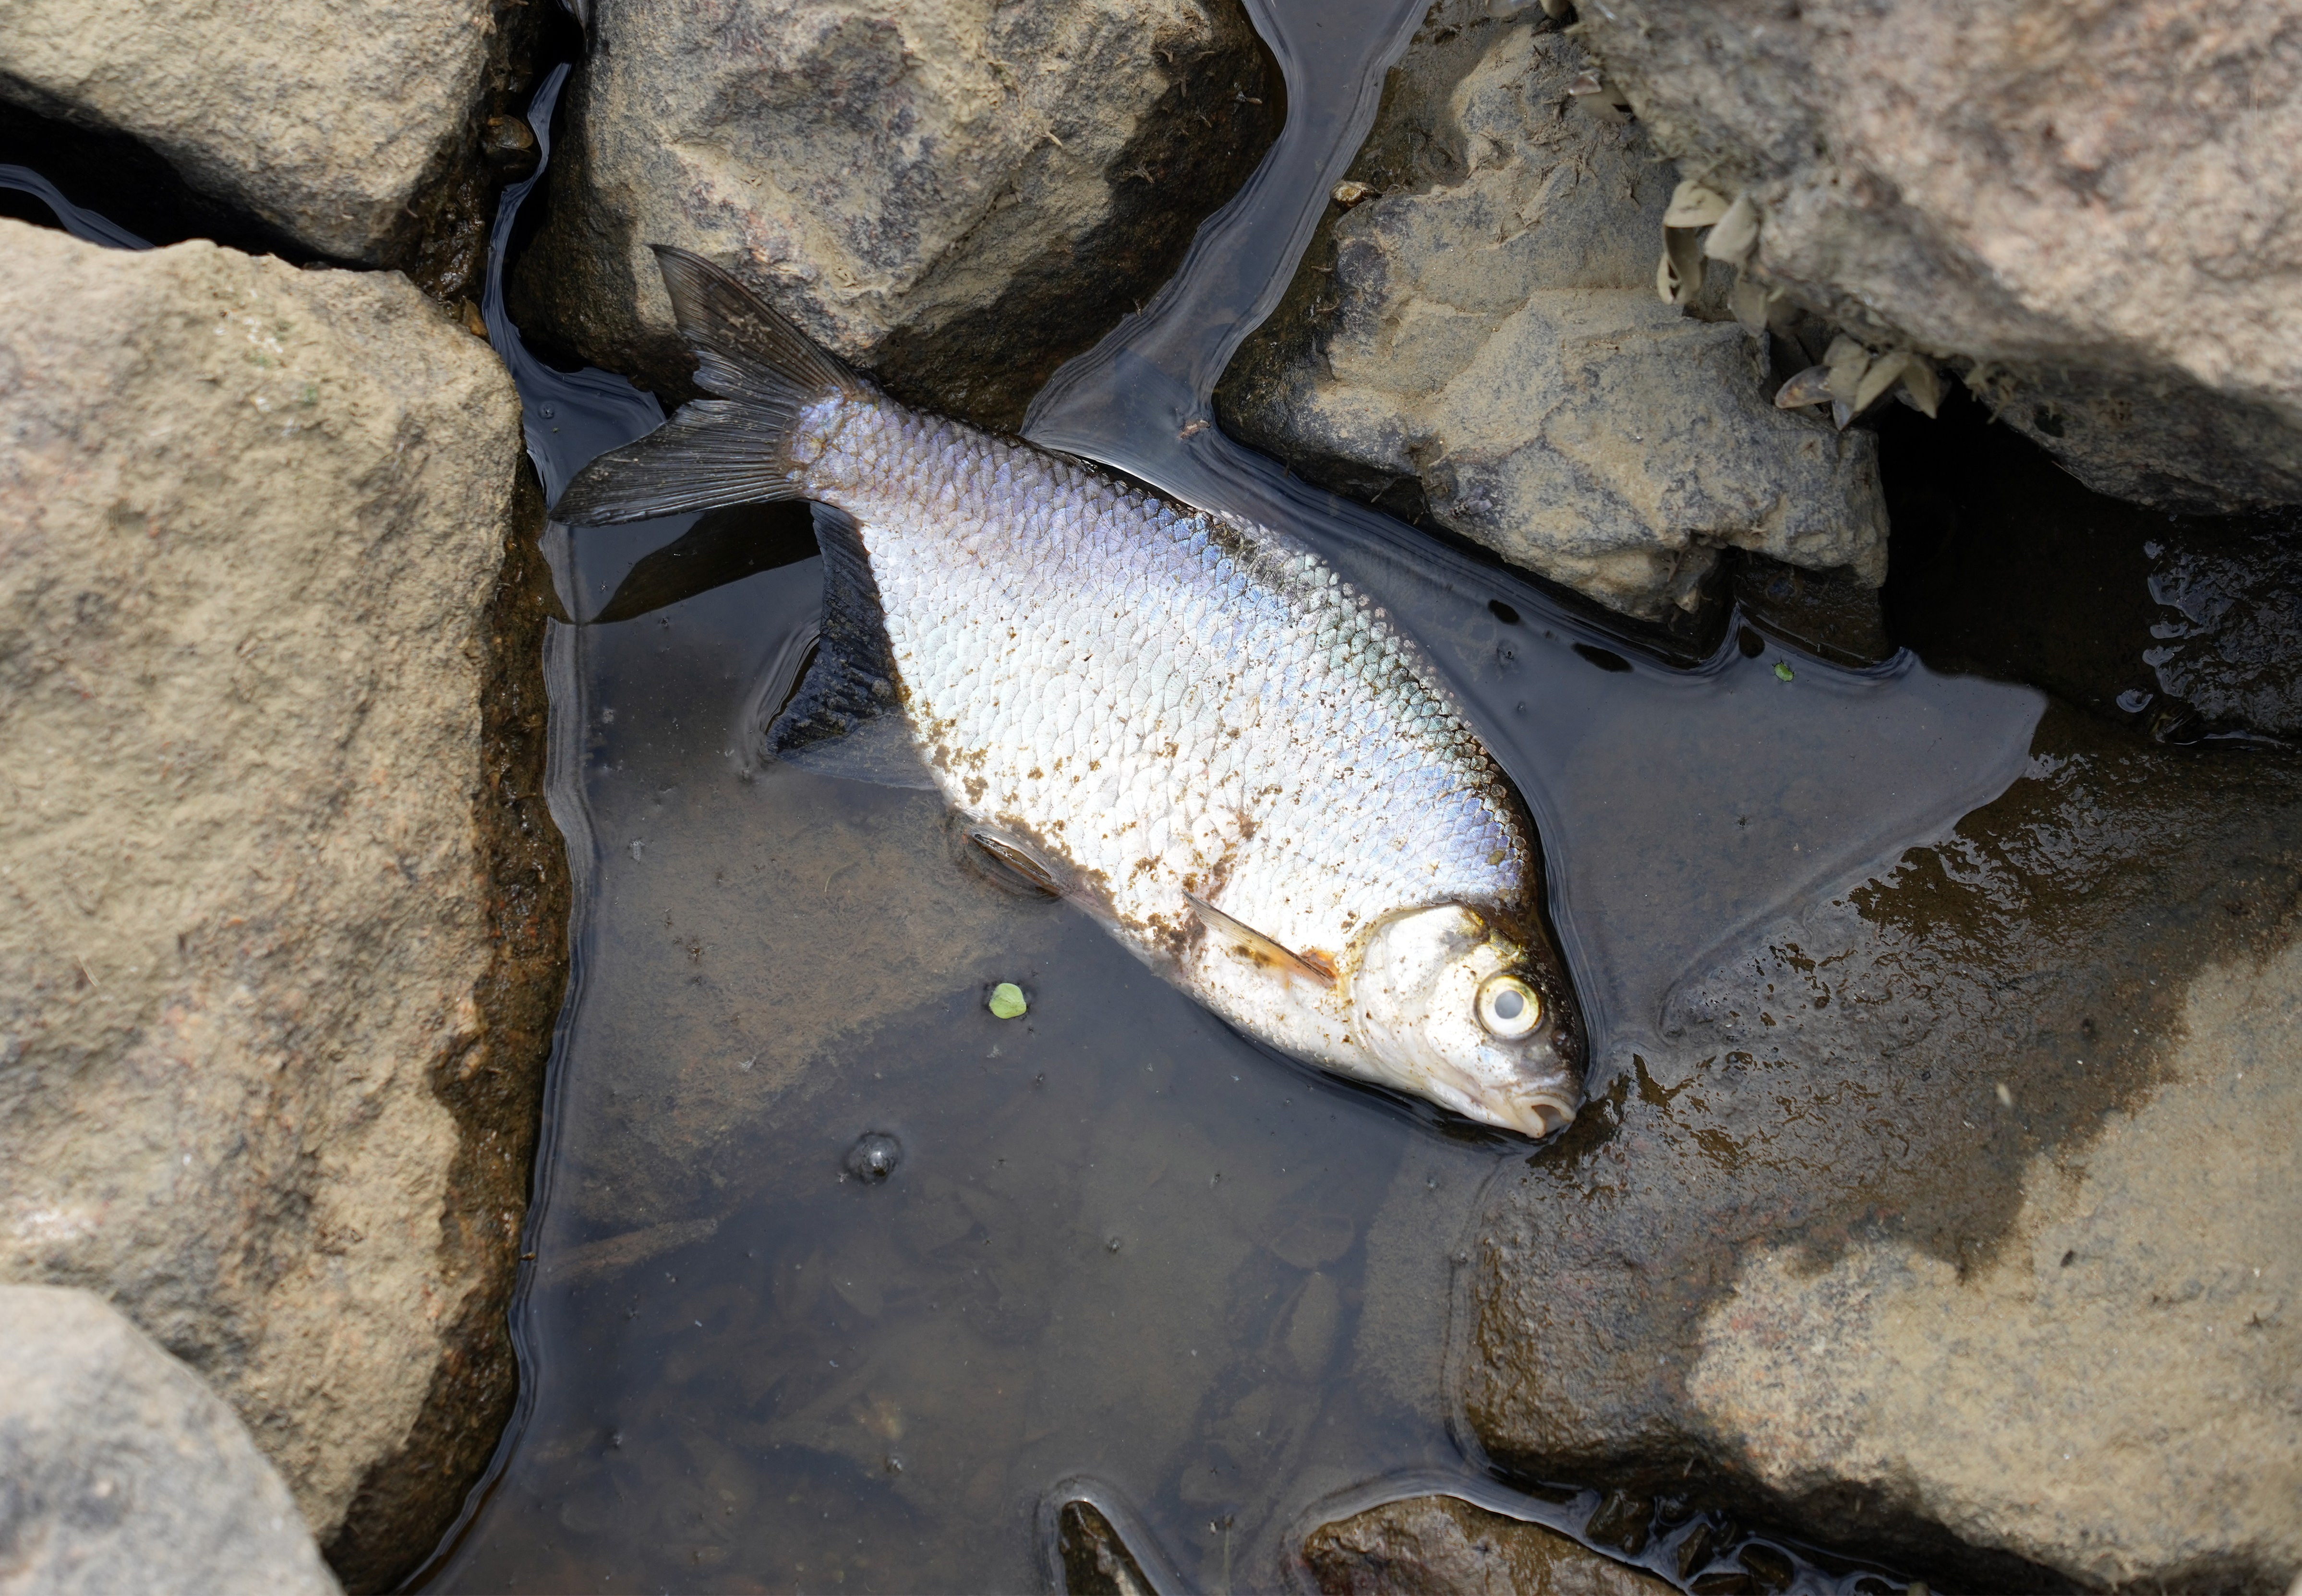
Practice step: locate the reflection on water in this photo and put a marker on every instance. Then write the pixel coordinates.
(1120, 1245)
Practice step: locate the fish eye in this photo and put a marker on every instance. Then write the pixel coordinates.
(1508, 1007)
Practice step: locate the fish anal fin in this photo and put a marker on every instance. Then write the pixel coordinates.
(1316, 966)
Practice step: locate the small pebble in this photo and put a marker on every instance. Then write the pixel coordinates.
(1007, 1001)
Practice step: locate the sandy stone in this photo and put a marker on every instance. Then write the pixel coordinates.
(955, 194)
(325, 118)
(1919, 1188)
(125, 1472)
(2090, 200)
(1439, 1546)
(282, 940)
(2112, 1395)
(1482, 342)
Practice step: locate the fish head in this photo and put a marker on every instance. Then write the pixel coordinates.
(1451, 1007)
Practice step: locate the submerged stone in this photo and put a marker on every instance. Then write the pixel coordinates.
(1439, 1545)
(1954, 1219)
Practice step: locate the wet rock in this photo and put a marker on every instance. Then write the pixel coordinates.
(954, 195)
(1439, 1546)
(125, 1472)
(2102, 1394)
(325, 119)
(286, 910)
(1823, 613)
(2071, 199)
(1927, 1224)
(1481, 343)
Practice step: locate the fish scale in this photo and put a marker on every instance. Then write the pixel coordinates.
(1190, 725)
(1387, 801)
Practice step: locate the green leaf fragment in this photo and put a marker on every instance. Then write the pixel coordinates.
(1007, 1001)
(1782, 670)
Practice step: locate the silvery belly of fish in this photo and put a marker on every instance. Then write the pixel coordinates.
(1190, 725)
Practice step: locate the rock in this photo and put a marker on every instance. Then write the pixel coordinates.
(1483, 343)
(955, 195)
(1439, 1546)
(286, 913)
(125, 1472)
(341, 124)
(1806, 1259)
(2074, 200)
(2103, 1394)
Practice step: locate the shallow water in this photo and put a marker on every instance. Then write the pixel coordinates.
(1124, 1253)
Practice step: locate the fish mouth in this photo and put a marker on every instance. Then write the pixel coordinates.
(1542, 1114)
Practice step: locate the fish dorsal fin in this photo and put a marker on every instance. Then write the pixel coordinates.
(744, 349)
(846, 717)
(1257, 944)
(733, 450)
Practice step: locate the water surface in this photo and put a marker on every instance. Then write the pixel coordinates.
(1124, 1251)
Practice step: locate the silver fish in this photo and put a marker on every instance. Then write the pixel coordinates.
(1190, 725)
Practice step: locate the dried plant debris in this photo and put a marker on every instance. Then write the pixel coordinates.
(1850, 378)
(1704, 224)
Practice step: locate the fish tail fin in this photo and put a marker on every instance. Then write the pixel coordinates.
(732, 449)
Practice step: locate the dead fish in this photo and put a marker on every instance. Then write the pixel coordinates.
(1190, 725)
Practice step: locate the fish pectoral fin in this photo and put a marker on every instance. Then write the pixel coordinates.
(1018, 859)
(1256, 943)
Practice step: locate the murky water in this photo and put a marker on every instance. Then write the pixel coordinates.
(1123, 1252)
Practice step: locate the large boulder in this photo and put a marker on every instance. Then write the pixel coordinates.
(2090, 204)
(955, 193)
(125, 1472)
(1480, 340)
(286, 911)
(338, 123)
(1954, 1219)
